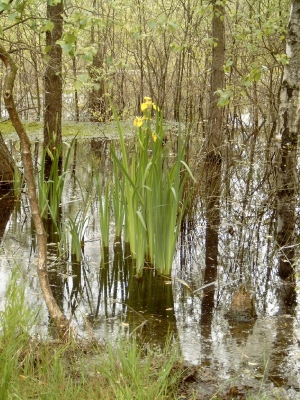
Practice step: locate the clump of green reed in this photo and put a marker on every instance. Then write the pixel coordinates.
(51, 188)
(77, 226)
(117, 200)
(153, 192)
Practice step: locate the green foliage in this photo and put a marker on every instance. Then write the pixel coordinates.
(224, 97)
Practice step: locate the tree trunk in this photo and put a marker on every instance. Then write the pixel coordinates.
(7, 166)
(53, 78)
(97, 101)
(59, 319)
(214, 142)
(288, 129)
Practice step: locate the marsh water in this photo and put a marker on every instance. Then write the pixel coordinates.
(106, 300)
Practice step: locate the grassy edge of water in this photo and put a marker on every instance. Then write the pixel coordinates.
(31, 368)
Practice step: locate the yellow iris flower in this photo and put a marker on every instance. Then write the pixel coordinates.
(138, 122)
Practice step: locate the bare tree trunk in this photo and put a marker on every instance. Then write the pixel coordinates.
(56, 314)
(53, 78)
(76, 101)
(214, 141)
(287, 181)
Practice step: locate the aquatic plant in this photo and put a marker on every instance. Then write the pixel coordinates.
(117, 201)
(104, 210)
(77, 227)
(153, 191)
(51, 188)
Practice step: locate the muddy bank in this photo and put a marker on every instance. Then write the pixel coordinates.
(204, 384)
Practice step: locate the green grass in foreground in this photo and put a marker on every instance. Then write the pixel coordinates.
(34, 369)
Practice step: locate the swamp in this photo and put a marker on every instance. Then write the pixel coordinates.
(149, 199)
(108, 300)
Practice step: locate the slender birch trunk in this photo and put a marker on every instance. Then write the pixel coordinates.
(287, 180)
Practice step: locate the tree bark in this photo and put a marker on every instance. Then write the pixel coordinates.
(287, 180)
(53, 79)
(214, 141)
(56, 314)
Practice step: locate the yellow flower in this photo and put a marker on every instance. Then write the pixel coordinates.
(144, 106)
(138, 122)
(147, 99)
(154, 137)
(155, 107)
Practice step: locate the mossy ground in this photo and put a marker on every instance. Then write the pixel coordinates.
(107, 130)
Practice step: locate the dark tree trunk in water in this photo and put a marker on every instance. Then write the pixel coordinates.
(7, 166)
(7, 204)
(53, 78)
(287, 180)
(214, 141)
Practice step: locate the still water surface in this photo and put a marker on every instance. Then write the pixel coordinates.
(105, 299)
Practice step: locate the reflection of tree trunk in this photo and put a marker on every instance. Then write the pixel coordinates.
(210, 273)
(287, 181)
(103, 283)
(7, 204)
(149, 295)
(61, 322)
(7, 165)
(76, 284)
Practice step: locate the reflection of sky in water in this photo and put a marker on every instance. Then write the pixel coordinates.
(232, 349)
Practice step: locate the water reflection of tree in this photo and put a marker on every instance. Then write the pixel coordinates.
(150, 297)
(7, 204)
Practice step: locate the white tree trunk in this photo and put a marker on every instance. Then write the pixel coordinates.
(288, 129)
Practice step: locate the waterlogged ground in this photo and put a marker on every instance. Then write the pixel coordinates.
(106, 301)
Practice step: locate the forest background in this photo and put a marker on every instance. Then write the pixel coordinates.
(164, 50)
